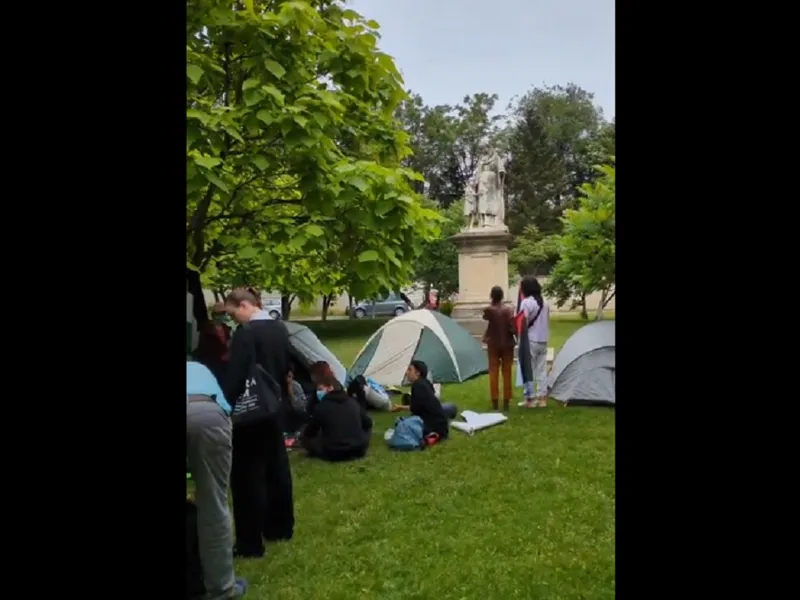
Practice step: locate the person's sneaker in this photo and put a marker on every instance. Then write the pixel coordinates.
(527, 404)
(239, 587)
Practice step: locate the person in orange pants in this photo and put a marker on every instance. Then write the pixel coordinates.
(499, 340)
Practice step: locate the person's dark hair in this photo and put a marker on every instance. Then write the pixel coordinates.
(236, 297)
(320, 369)
(496, 294)
(328, 381)
(531, 287)
(420, 367)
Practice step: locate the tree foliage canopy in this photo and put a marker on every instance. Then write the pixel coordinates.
(293, 151)
(587, 245)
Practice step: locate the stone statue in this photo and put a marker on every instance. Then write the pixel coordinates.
(471, 204)
(491, 173)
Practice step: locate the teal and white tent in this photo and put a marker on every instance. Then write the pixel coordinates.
(449, 350)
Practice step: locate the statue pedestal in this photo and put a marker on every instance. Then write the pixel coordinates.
(482, 264)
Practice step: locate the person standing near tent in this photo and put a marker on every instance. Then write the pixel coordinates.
(208, 455)
(261, 480)
(534, 328)
(499, 340)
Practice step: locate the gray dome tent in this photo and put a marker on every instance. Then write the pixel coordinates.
(307, 349)
(584, 370)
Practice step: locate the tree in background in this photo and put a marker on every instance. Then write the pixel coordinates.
(437, 265)
(533, 253)
(293, 147)
(555, 136)
(445, 141)
(587, 245)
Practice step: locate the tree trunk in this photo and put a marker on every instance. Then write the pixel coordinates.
(350, 304)
(326, 304)
(286, 306)
(610, 296)
(584, 314)
(216, 296)
(598, 316)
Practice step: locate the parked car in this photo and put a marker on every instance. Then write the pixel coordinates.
(272, 306)
(387, 306)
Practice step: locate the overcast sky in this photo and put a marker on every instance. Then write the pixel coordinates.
(447, 49)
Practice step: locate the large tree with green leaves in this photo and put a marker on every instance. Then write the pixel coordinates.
(587, 245)
(555, 136)
(437, 265)
(446, 142)
(292, 145)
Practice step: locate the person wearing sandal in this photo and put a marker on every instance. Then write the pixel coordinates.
(537, 317)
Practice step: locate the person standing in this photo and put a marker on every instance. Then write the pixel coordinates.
(261, 480)
(536, 319)
(212, 345)
(208, 454)
(499, 340)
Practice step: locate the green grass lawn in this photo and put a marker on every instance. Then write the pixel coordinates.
(523, 510)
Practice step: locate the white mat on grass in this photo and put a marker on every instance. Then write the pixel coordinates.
(476, 421)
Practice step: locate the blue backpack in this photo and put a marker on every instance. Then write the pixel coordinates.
(407, 434)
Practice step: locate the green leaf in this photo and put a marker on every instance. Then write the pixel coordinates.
(297, 242)
(248, 4)
(253, 96)
(275, 68)
(275, 93)
(248, 252)
(209, 162)
(216, 181)
(231, 131)
(301, 120)
(368, 256)
(359, 183)
(314, 230)
(192, 113)
(249, 84)
(266, 117)
(194, 73)
(383, 207)
(373, 24)
(260, 161)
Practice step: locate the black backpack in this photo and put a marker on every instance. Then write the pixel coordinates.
(195, 588)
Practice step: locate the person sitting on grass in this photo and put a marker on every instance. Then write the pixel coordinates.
(339, 429)
(423, 402)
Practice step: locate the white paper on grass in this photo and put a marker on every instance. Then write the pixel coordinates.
(476, 421)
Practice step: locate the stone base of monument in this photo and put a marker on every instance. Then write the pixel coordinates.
(482, 264)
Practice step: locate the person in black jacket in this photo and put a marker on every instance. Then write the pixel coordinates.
(424, 403)
(261, 480)
(339, 428)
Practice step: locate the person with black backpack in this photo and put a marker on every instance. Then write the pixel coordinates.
(261, 480)
(208, 457)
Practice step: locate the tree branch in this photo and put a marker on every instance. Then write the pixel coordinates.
(610, 296)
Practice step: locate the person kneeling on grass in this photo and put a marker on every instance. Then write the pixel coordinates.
(423, 401)
(339, 429)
